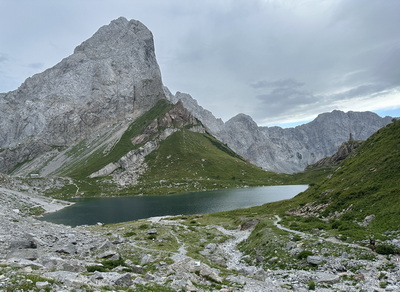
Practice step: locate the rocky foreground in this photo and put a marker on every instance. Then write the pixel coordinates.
(181, 253)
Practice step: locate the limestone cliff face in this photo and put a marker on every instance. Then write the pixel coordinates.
(292, 149)
(111, 77)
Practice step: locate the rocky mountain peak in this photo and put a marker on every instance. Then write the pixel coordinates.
(110, 78)
(245, 122)
(213, 125)
(120, 35)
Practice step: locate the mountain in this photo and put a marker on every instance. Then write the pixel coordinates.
(287, 150)
(84, 117)
(99, 123)
(165, 150)
(110, 78)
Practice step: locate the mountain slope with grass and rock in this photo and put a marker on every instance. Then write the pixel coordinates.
(110, 78)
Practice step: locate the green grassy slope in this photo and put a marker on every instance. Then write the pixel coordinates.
(366, 183)
(193, 161)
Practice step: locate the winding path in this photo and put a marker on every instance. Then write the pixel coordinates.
(229, 247)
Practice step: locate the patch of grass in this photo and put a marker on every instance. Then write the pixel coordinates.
(130, 234)
(304, 254)
(27, 282)
(106, 265)
(152, 288)
(144, 226)
(36, 211)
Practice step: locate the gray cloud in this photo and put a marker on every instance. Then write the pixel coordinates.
(282, 96)
(283, 83)
(270, 59)
(3, 58)
(38, 65)
(360, 91)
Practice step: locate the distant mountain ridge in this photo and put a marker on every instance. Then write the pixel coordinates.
(286, 150)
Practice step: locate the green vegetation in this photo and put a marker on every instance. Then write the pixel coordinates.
(366, 183)
(304, 254)
(107, 265)
(194, 161)
(26, 282)
(387, 249)
(311, 285)
(152, 288)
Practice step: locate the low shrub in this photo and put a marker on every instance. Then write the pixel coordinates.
(386, 249)
(129, 234)
(144, 226)
(304, 254)
(296, 237)
(92, 269)
(311, 285)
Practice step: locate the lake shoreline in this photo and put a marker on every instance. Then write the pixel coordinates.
(90, 211)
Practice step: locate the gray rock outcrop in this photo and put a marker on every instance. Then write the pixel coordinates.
(110, 77)
(344, 150)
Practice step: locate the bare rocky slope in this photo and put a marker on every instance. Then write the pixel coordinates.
(286, 150)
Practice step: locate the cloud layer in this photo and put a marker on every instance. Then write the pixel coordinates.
(278, 61)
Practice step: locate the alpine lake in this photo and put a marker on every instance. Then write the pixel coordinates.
(90, 211)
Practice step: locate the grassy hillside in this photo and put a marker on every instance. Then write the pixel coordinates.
(366, 183)
(191, 161)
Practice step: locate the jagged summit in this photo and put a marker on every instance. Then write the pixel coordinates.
(116, 37)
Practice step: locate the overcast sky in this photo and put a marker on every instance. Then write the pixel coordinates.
(281, 62)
